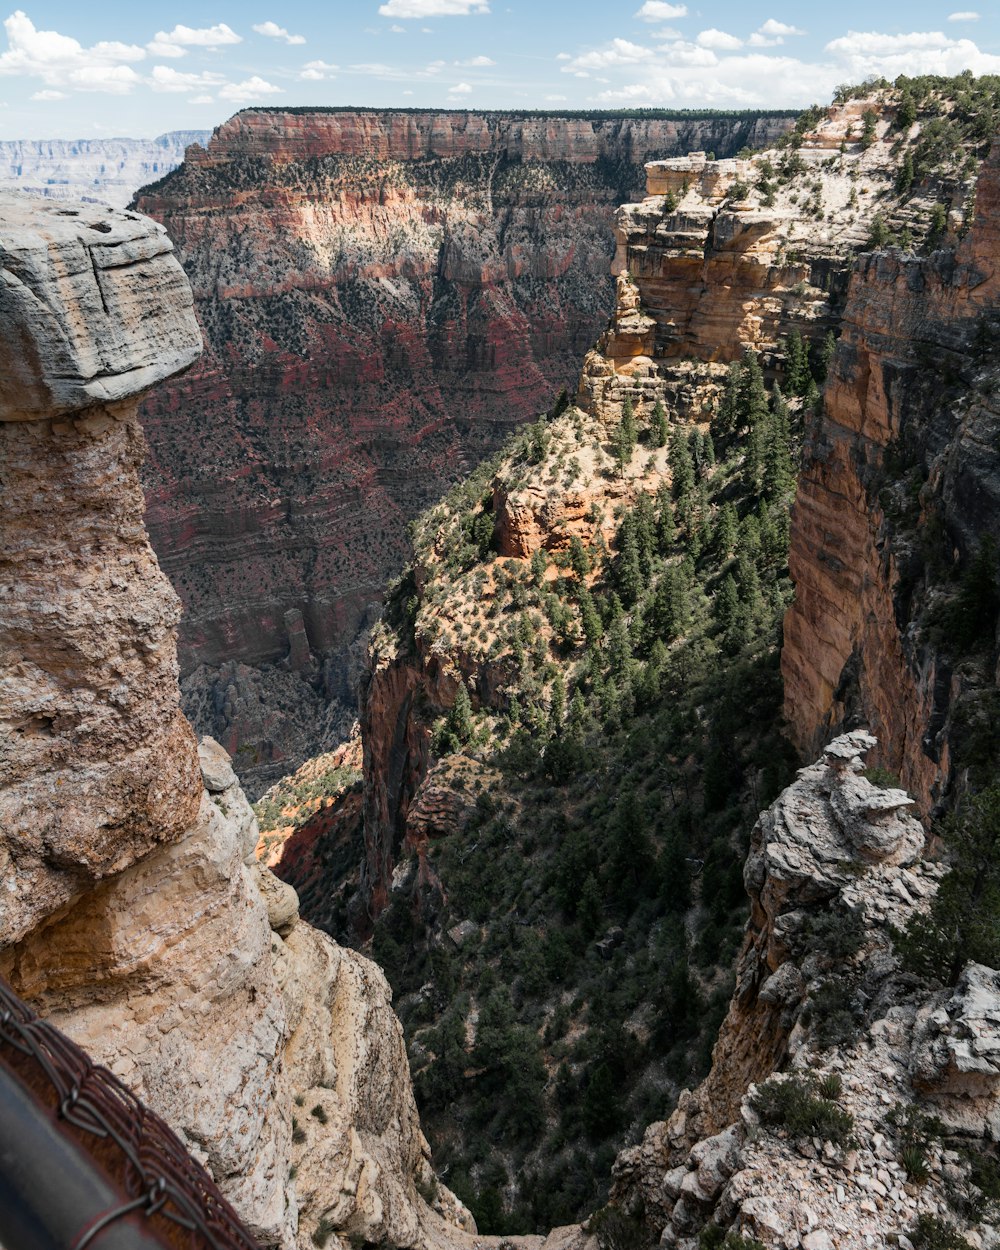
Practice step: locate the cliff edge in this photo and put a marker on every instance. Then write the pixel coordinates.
(133, 915)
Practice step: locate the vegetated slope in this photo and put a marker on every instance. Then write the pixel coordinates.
(383, 296)
(619, 722)
(574, 918)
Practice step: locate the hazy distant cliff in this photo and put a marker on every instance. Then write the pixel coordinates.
(100, 169)
(382, 294)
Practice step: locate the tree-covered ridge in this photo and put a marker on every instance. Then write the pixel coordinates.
(596, 115)
(637, 736)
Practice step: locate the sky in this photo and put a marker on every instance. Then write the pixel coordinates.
(69, 70)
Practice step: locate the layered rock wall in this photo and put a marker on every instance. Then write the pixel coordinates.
(383, 296)
(910, 393)
(133, 914)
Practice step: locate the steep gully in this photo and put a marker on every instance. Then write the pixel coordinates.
(383, 295)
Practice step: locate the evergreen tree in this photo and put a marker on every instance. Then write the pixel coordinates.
(709, 451)
(579, 561)
(539, 563)
(938, 224)
(579, 718)
(904, 175)
(658, 425)
(825, 357)
(593, 630)
(645, 531)
(906, 111)
(628, 574)
(963, 924)
(619, 647)
(459, 721)
(779, 471)
(667, 609)
(681, 465)
(729, 408)
(752, 394)
(625, 436)
(797, 372)
(727, 600)
(557, 703)
(878, 233)
(726, 531)
(666, 531)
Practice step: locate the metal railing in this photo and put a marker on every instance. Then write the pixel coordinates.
(83, 1164)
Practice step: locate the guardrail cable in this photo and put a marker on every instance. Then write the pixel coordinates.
(135, 1148)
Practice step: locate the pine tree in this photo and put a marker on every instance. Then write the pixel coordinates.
(797, 372)
(625, 436)
(726, 531)
(590, 907)
(645, 531)
(658, 425)
(579, 718)
(579, 561)
(752, 394)
(557, 703)
(729, 408)
(619, 647)
(460, 722)
(627, 571)
(593, 630)
(666, 530)
(539, 563)
(709, 451)
(906, 111)
(727, 600)
(779, 471)
(904, 175)
(681, 465)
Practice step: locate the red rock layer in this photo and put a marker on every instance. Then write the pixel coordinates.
(383, 295)
(903, 377)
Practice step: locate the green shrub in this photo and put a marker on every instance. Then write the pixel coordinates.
(931, 1233)
(793, 1105)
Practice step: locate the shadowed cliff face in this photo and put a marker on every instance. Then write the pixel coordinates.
(382, 296)
(899, 489)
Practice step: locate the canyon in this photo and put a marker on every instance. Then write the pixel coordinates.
(573, 765)
(107, 171)
(383, 295)
(507, 691)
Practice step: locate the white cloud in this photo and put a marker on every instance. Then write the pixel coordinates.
(407, 92)
(719, 40)
(475, 62)
(159, 47)
(658, 11)
(432, 8)
(555, 99)
(757, 40)
(163, 78)
(773, 27)
(563, 56)
(317, 71)
(862, 53)
(49, 94)
(618, 52)
(965, 15)
(177, 41)
(684, 53)
(273, 31)
(112, 79)
(397, 30)
(679, 75)
(60, 61)
(247, 91)
(202, 99)
(460, 88)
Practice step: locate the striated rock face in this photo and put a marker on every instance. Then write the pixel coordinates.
(832, 845)
(911, 395)
(133, 914)
(105, 170)
(383, 296)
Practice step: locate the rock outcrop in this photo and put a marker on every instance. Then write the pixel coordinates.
(133, 914)
(383, 295)
(832, 845)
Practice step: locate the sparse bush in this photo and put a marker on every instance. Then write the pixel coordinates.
(792, 1104)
